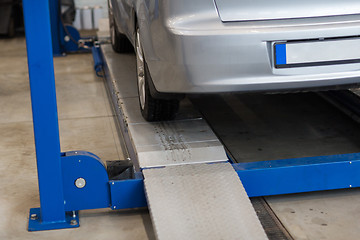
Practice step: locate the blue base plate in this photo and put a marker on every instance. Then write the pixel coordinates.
(35, 223)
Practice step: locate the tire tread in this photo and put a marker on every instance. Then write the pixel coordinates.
(158, 109)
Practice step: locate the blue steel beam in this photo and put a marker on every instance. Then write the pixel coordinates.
(51, 214)
(45, 117)
(267, 178)
(60, 196)
(300, 175)
(56, 28)
(259, 179)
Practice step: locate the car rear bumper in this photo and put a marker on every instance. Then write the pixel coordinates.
(238, 57)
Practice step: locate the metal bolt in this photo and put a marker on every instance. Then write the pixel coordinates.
(73, 214)
(350, 162)
(33, 216)
(128, 159)
(114, 207)
(350, 186)
(73, 222)
(80, 183)
(112, 183)
(67, 38)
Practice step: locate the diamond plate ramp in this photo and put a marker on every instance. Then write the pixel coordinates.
(200, 201)
(188, 198)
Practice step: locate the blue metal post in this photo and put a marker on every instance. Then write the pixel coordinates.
(45, 117)
(56, 28)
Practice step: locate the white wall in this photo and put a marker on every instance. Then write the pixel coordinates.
(103, 3)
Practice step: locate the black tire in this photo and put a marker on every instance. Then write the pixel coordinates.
(152, 109)
(157, 109)
(119, 42)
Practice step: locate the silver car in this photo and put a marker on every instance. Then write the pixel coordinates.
(212, 46)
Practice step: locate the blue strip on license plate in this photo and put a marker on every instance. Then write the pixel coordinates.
(317, 53)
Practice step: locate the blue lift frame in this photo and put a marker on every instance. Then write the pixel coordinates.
(65, 38)
(61, 198)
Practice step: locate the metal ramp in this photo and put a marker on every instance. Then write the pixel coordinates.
(200, 201)
(192, 192)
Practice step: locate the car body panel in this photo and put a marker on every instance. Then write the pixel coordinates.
(248, 10)
(189, 49)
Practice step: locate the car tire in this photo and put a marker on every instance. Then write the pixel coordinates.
(152, 109)
(119, 42)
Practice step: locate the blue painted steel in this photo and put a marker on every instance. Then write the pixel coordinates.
(300, 175)
(96, 193)
(98, 190)
(35, 224)
(127, 194)
(45, 118)
(58, 172)
(280, 54)
(57, 34)
(58, 31)
(71, 45)
(297, 161)
(98, 60)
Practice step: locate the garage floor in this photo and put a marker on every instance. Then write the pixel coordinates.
(87, 123)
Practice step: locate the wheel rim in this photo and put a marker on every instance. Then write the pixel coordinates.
(140, 70)
(112, 28)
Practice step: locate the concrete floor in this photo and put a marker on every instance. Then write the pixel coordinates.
(87, 123)
(331, 215)
(260, 127)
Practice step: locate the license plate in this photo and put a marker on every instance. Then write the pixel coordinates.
(317, 53)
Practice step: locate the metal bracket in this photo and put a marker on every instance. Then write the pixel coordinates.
(128, 194)
(65, 38)
(85, 186)
(85, 181)
(35, 223)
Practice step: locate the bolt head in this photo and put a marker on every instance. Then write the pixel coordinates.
(33, 216)
(80, 182)
(73, 222)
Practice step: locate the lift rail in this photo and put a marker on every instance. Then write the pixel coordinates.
(188, 155)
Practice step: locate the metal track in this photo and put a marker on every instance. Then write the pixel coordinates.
(193, 193)
(273, 227)
(347, 101)
(200, 201)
